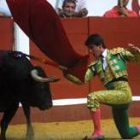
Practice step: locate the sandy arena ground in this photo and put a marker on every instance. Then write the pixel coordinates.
(66, 130)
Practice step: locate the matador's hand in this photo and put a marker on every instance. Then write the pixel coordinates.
(132, 48)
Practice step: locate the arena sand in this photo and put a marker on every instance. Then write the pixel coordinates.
(66, 130)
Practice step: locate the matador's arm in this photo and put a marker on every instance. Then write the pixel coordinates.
(90, 73)
(132, 54)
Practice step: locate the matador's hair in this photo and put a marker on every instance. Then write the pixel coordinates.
(95, 39)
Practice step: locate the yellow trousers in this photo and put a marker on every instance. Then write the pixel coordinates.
(119, 94)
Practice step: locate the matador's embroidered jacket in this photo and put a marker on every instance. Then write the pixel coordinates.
(116, 66)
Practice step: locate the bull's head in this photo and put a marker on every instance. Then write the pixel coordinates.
(36, 77)
(41, 89)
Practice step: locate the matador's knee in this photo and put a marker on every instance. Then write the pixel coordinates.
(92, 102)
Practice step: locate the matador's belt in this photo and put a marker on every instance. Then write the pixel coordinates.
(109, 85)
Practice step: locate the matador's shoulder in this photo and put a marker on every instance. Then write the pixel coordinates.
(116, 50)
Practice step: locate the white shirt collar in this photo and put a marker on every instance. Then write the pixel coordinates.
(104, 54)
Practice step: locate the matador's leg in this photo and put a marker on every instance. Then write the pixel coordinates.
(114, 98)
(120, 116)
(103, 97)
(108, 97)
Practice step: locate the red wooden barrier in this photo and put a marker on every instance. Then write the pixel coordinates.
(6, 33)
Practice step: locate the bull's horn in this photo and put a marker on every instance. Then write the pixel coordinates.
(36, 77)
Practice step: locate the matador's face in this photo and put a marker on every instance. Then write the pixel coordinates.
(96, 51)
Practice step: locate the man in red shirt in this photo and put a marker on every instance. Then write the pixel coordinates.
(121, 10)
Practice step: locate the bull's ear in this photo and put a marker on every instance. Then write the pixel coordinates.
(36, 77)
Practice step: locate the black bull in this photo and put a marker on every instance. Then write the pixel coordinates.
(21, 82)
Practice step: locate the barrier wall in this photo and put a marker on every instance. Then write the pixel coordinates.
(116, 32)
(6, 33)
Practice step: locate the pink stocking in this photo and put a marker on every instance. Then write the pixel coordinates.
(97, 123)
(138, 128)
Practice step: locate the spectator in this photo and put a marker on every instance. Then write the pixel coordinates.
(68, 9)
(121, 10)
(136, 6)
(4, 9)
(2, 15)
(79, 10)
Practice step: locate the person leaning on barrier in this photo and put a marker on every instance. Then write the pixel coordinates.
(69, 10)
(3, 15)
(120, 10)
(110, 65)
(4, 10)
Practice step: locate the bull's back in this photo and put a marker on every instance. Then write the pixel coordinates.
(14, 66)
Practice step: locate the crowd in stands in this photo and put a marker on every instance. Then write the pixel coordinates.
(78, 8)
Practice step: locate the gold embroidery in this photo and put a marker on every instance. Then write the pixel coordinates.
(119, 95)
(117, 67)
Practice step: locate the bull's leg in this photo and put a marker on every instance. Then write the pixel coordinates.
(8, 115)
(30, 132)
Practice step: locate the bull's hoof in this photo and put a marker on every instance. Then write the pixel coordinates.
(2, 137)
(30, 133)
(29, 137)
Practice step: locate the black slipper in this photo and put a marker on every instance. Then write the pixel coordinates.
(94, 138)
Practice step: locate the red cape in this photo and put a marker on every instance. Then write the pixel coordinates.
(39, 21)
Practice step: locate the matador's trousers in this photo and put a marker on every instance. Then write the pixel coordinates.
(118, 95)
